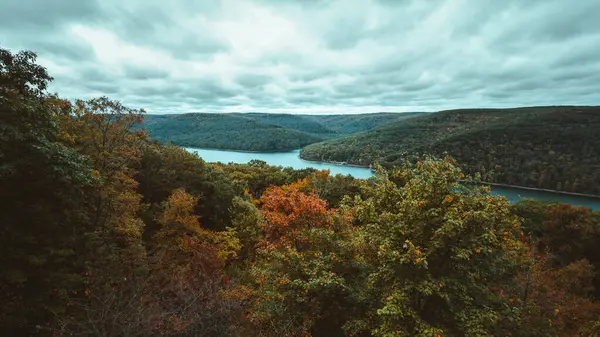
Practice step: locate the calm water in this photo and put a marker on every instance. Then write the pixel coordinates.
(514, 194)
(292, 159)
(284, 159)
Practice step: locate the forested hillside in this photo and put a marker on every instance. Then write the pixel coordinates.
(259, 132)
(105, 232)
(543, 147)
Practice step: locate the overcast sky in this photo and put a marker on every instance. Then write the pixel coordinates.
(313, 56)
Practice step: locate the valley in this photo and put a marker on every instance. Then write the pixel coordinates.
(552, 148)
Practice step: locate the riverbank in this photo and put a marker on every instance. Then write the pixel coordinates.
(339, 163)
(333, 163)
(573, 194)
(239, 151)
(293, 160)
(283, 159)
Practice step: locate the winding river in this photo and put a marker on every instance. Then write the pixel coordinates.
(292, 159)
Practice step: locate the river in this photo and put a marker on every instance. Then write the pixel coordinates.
(292, 159)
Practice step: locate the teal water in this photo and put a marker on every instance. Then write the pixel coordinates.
(285, 159)
(292, 159)
(515, 194)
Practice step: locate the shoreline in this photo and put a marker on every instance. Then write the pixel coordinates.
(574, 194)
(333, 163)
(286, 151)
(240, 151)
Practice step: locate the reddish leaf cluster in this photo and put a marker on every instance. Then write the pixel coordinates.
(287, 209)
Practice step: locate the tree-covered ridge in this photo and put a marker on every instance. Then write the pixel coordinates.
(107, 233)
(259, 131)
(542, 147)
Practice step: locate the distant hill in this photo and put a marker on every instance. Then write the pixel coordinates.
(544, 147)
(260, 131)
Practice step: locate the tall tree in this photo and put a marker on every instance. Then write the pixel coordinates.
(187, 271)
(103, 130)
(43, 188)
(304, 270)
(436, 246)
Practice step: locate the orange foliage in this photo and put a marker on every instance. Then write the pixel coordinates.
(557, 299)
(287, 209)
(563, 295)
(303, 185)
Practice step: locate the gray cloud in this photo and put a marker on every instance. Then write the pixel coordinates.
(303, 56)
(18, 15)
(252, 80)
(140, 73)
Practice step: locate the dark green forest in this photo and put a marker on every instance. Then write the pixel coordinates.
(553, 148)
(107, 232)
(259, 132)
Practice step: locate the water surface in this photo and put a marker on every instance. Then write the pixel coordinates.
(285, 159)
(514, 194)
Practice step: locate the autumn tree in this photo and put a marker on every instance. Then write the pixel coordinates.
(180, 227)
(178, 294)
(287, 209)
(436, 243)
(302, 264)
(546, 300)
(188, 271)
(178, 220)
(570, 233)
(567, 233)
(104, 131)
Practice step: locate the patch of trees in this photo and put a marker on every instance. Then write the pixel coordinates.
(547, 147)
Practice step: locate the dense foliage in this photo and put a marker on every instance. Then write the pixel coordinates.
(542, 147)
(107, 233)
(41, 179)
(259, 132)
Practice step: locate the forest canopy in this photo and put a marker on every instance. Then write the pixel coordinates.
(264, 132)
(106, 232)
(553, 148)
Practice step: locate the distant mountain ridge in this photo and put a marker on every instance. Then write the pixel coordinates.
(556, 148)
(260, 131)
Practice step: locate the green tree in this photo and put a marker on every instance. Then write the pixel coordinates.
(166, 168)
(247, 222)
(436, 245)
(43, 188)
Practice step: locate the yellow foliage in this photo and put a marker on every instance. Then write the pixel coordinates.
(179, 213)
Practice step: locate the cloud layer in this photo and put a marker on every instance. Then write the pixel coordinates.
(345, 56)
